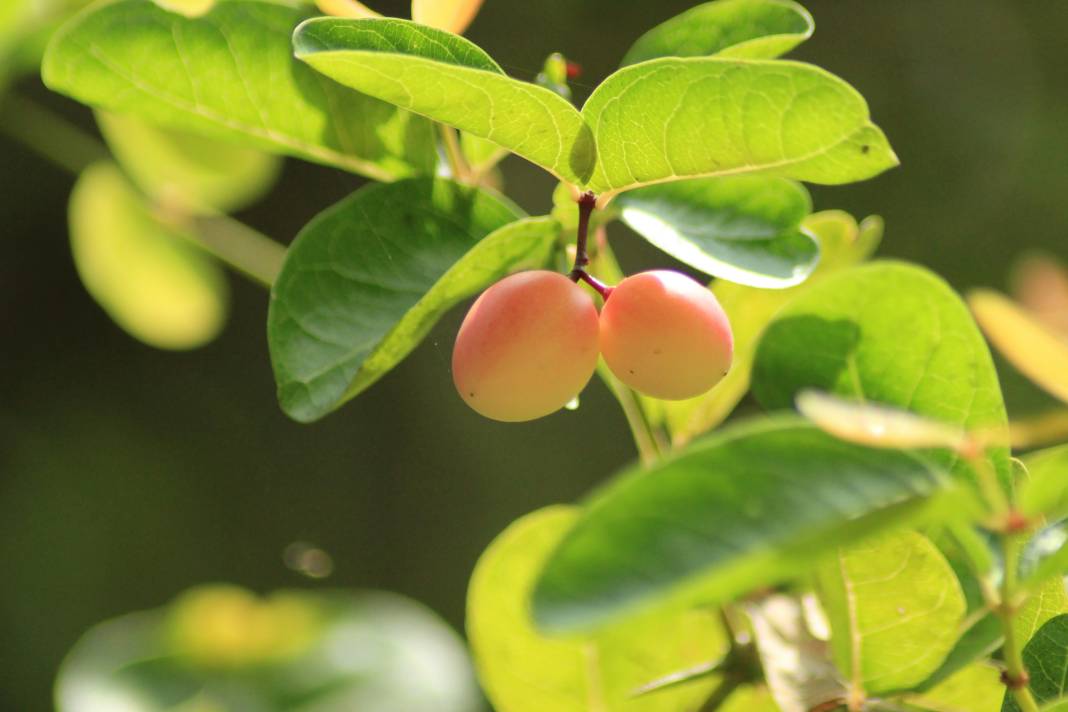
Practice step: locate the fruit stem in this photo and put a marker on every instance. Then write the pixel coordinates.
(586, 202)
(598, 286)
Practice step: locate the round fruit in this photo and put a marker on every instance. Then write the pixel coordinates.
(527, 346)
(665, 335)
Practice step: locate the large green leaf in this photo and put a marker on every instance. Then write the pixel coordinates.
(365, 281)
(192, 171)
(146, 274)
(674, 118)
(222, 648)
(894, 605)
(746, 508)
(231, 74)
(1046, 658)
(744, 229)
(889, 333)
(753, 29)
(1049, 600)
(842, 244)
(448, 79)
(524, 671)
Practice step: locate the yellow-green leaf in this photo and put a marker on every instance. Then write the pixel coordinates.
(145, 274)
(524, 671)
(1034, 349)
(192, 171)
(895, 606)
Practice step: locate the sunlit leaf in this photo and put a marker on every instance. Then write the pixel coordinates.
(842, 244)
(448, 79)
(976, 688)
(189, 8)
(187, 170)
(744, 229)
(450, 15)
(745, 508)
(978, 641)
(1049, 600)
(1035, 350)
(675, 118)
(875, 425)
(146, 275)
(885, 333)
(894, 605)
(365, 281)
(328, 652)
(524, 671)
(753, 29)
(231, 74)
(1040, 284)
(346, 8)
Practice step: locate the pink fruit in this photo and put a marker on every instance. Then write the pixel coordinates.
(527, 346)
(665, 335)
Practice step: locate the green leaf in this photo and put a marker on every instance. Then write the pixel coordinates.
(888, 333)
(842, 243)
(146, 274)
(1046, 491)
(670, 119)
(751, 29)
(744, 229)
(894, 605)
(195, 172)
(448, 79)
(524, 671)
(746, 508)
(366, 279)
(222, 648)
(976, 688)
(231, 74)
(980, 640)
(1046, 658)
(1049, 600)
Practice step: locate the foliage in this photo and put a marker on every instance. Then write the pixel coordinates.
(881, 551)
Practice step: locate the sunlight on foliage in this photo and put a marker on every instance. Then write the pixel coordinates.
(146, 274)
(450, 15)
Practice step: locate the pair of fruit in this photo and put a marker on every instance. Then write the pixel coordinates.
(530, 342)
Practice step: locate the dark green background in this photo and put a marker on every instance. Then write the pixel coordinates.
(128, 474)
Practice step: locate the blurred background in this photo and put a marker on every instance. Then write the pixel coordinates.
(128, 474)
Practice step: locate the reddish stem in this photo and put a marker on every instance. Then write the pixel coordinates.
(587, 202)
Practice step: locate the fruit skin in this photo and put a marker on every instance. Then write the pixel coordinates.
(528, 345)
(665, 335)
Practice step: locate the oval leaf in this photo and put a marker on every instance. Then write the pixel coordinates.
(976, 688)
(231, 74)
(450, 15)
(448, 79)
(524, 671)
(744, 229)
(670, 119)
(1036, 350)
(842, 244)
(195, 172)
(876, 425)
(148, 276)
(894, 605)
(365, 280)
(752, 29)
(888, 333)
(747, 508)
